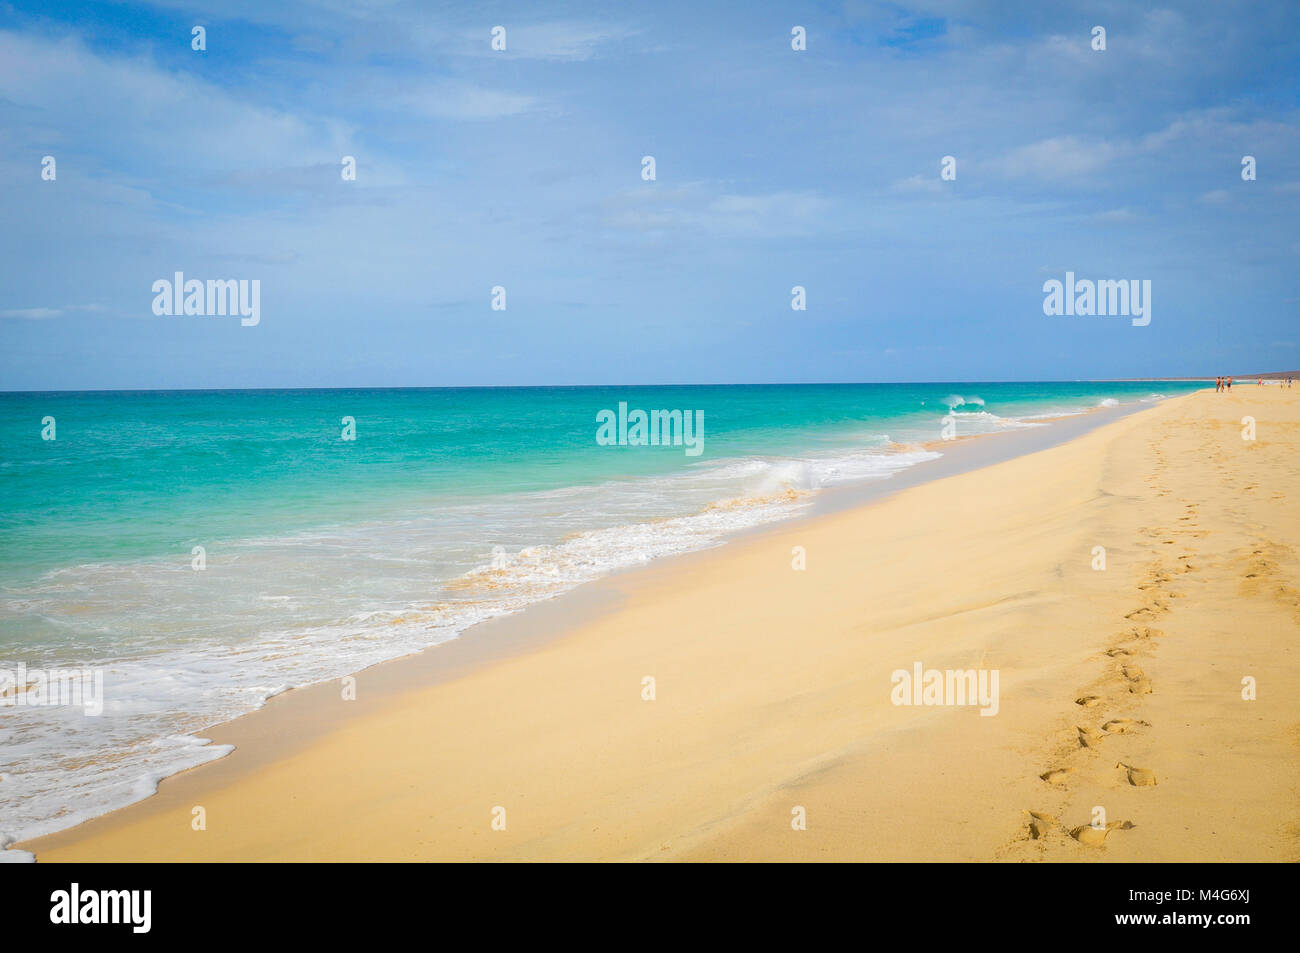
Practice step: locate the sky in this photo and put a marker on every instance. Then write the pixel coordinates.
(774, 168)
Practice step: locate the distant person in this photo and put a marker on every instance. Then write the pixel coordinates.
(1229, 383)
(1218, 384)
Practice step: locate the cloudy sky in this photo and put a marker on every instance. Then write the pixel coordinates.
(522, 168)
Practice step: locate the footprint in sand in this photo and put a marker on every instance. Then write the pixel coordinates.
(1118, 652)
(1096, 836)
(1089, 737)
(1122, 726)
(1041, 824)
(1138, 777)
(1138, 683)
(1137, 633)
(1055, 777)
(1145, 614)
(1145, 632)
(1087, 701)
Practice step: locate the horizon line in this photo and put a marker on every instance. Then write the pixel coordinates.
(1062, 380)
(211, 390)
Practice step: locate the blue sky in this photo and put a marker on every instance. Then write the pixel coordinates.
(522, 169)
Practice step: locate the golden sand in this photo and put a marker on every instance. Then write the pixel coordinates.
(1121, 733)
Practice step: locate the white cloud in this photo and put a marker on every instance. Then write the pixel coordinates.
(43, 314)
(1057, 157)
(32, 314)
(83, 98)
(1117, 215)
(697, 207)
(465, 101)
(564, 41)
(918, 183)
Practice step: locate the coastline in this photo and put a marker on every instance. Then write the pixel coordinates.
(959, 454)
(485, 683)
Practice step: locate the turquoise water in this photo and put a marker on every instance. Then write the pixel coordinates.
(138, 474)
(324, 555)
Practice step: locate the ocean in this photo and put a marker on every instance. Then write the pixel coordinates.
(206, 550)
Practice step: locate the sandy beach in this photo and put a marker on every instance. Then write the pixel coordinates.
(1119, 688)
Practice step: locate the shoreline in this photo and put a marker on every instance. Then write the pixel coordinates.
(503, 634)
(295, 723)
